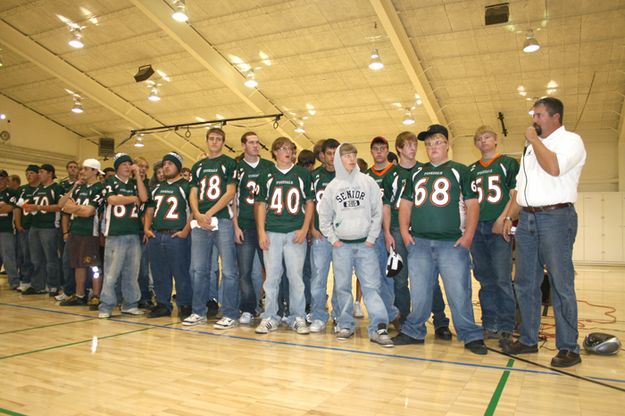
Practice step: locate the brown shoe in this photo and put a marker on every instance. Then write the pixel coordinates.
(516, 347)
(566, 358)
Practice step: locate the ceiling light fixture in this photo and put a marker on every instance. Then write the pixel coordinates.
(1, 62)
(77, 107)
(376, 63)
(139, 141)
(180, 13)
(76, 40)
(531, 44)
(250, 80)
(408, 118)
(154, 95)
(300, 128)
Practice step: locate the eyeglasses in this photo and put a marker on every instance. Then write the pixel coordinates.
(285, 149)
(435, 143)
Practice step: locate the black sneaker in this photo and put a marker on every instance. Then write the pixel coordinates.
(212, 308)
(145, 304)
(158, 311)
(184, 312)
(32, 291)
(505, 338)
(74, 301)
(476, 347)
(442, 333)
(403, 339)
(516, 347)
(53, 292)
(566, 358)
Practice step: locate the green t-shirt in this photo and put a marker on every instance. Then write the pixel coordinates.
(211, 177)
(171, 205)
(25, 196)
(494, 180)
(321, 177)
(7, 196)
(87, 194)
(285, 195)
(121, 219)
(247, 177)
(47, 195)
(438, 194)
(393, 185)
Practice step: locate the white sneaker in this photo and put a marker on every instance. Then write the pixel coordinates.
(344, 333)
(246, 318)
(133, 311)
(358, 311)
(104, 315)
(381, 337)
(266, 326)
(61, 297)
(317, 326)
(300, 326)
(23, 286)
(309, 318)
(194, 319)
(225, 323)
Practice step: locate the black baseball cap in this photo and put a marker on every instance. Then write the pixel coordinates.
(4, 173)
(432, 130)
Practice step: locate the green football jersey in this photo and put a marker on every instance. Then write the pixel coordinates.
(9, 197)
(494, 180)
(285, 195)
(66, 185)
(25, 196)
(121, 219)
(171, 205)
(211, 177)
(47, 195)
(393, 185)
(438, 194)
(379, 175)
(247, 177)
(321, 177)
(87, 194)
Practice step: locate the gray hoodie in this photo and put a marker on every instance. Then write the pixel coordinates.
(351, 206)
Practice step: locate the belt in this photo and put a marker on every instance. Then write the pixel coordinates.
(167, 231)
(547, 207)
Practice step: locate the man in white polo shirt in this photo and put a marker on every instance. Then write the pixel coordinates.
(546, 191)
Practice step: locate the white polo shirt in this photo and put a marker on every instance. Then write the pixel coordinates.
(536, 188)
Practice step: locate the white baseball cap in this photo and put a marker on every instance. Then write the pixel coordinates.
(93, 164)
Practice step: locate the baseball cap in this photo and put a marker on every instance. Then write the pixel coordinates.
(394, 264)
(4, 173)
(378, 140)
(432, 130)
(93, 164)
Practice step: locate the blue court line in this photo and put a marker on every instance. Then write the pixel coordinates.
(318, 347)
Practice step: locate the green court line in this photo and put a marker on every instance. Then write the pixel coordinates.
(71, 343)
(9, 412)
(45, 326)
(490, 410)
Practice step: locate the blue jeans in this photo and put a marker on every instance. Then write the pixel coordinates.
(307, 273)
(215, 290)
(202, 244)
(426, 260)
(257, 277)
(8, 253)
(438, 306)
(144, 273)
(400, 280)
(546, 238)
(44, 251)
(246, 253)
(170, 257)
(387, 286)
(321, 256)
(361, 259)
(122, 258)
(69, 286)
(492, 267)
(282, 248)
(26, 267)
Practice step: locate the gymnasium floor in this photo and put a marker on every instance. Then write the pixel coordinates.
(64, 361)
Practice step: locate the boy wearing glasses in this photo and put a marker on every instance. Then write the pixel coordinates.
(438, 215)
(284, 205)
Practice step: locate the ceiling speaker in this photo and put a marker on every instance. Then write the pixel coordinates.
(143, 73)
(496, 14)
(106, 147)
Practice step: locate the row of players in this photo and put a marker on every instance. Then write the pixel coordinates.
(430, 214)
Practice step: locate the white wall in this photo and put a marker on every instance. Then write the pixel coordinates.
(34, 139)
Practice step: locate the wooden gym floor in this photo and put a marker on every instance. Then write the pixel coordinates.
(64, 361)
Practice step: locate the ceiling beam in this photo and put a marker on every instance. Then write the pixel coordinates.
(201, 49)
(87, 86)
(396, 32)
(621, 149)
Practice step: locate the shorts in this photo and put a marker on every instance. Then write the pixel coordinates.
(84, 251)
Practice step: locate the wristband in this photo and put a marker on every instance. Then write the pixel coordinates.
(508, 219)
